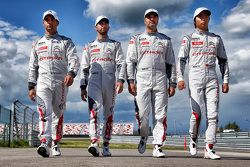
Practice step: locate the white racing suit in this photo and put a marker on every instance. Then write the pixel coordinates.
(49, 61)
(201, 50)
(101, 60)
(150, 61)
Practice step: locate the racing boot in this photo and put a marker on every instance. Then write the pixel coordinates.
(142, 145)
(157, 152)
(55, 149)
(105, 150)
(94, 149)
(209, 153)
(193, 147)
(43, 150)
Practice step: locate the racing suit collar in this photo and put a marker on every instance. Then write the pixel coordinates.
(102, 40)
(51, 36)
(200, 32)
(151, 33)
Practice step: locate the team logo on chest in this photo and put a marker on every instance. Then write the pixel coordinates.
(57, 51)
(160, 44)
(211, 44)
(108, 50)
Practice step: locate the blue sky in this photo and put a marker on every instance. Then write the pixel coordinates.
(21, 23)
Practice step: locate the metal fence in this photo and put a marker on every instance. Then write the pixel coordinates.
(5, 125)
(19, 123)
(25, 123)
(238, 141)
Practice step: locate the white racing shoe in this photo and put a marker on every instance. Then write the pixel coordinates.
(158, 153)
(43, 150)
(142, 145)
(210, 154)
(56, 150)
(94, 149)
(106, 152)
(193, 147)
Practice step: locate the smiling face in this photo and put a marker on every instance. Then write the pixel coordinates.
(151, 22)
(202, 20)
(50, 24)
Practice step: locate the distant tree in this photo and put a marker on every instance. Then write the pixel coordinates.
(221, 129)
(232, 126)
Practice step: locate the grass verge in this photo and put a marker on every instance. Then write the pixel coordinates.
(15, 144)
(84, 143)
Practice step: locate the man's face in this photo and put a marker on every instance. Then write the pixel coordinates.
(50, 24)
(102, 27)
(202, 20)
(151, 21)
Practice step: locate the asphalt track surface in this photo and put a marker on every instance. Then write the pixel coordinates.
(76, 157)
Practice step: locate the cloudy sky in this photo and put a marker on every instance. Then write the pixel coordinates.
(21, 23)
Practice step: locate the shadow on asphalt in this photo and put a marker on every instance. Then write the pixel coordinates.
(149, 156)
(236, 158)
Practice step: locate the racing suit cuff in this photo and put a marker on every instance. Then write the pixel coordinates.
(72, 73)
(173, 85)
(120, 80)
(180, 79)
(31, 85)
(83, 87)
(225, 81)
(130, 81)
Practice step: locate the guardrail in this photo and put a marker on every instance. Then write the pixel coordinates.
(24, 124)
(19, 123)
(5, 125)
(231, 141)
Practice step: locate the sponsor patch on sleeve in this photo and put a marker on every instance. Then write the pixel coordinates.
(131, 42)
(184, 41)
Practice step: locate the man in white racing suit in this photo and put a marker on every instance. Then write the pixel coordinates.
(101, 60)
(201, 49)
(150, 64)
(53, 65)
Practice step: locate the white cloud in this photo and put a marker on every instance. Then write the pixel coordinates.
(8, 49)
(14, 51)
(237, 22)
(20, 33)
(130, 12)
(4, 24)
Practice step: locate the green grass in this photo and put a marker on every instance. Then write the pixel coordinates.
(15, 144)
(84, 143)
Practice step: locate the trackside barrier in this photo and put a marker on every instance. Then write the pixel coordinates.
(5, 125)
(24, 123)
(230, 141)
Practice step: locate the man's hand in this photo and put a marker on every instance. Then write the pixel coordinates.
(68, 80)
(181, 85)
(132, 89)
(171, 91)
(119, 87)
(84, 94)
(32, 94)
(225, 87)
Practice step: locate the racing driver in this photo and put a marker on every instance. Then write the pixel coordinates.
(150, 64)
(53, 65)
(101, 60)
(201, 49)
